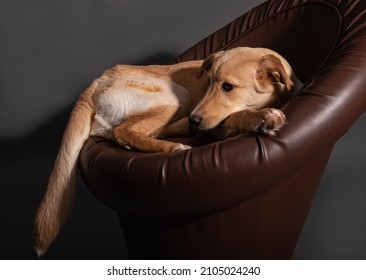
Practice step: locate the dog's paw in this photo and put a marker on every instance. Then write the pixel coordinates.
(270, 121)
(180, 147)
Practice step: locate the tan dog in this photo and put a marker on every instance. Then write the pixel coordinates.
(231, 92)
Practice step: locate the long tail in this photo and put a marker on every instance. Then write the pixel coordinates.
(57, 204)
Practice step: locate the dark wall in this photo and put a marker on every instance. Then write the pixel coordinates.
(336, 225)
(51, 50)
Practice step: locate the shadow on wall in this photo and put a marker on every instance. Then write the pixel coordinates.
(93, 231)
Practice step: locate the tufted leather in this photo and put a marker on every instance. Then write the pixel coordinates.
(247, 196)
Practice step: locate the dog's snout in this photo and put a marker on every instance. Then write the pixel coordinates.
(195, 120)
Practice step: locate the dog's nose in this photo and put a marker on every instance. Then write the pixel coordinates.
(194, 120)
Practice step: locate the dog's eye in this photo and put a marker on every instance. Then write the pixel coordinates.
(227, 87)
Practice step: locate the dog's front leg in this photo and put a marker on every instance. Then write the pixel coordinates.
(266, 121)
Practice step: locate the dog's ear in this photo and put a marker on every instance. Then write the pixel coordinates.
(207, 64)
(272, 70)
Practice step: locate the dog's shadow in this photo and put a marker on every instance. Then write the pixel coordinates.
(26, 165)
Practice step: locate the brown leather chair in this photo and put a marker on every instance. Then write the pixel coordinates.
(246, 197)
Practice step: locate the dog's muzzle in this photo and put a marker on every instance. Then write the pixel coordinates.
(194, 120)
(194, 125)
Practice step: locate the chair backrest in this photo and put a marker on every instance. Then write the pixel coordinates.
(305, 32)
(324, 41)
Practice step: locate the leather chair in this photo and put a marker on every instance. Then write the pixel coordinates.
(246, 197)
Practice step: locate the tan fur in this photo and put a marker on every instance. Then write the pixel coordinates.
(149, 88)
(137, 105)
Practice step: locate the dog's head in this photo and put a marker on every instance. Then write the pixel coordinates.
(239, 79)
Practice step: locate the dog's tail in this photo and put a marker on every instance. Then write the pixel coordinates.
(57, 203)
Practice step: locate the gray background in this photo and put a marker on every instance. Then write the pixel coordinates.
(51, 50)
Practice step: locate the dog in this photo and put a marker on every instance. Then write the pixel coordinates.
(229, 93)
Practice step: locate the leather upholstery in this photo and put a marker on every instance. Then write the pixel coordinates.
(246, 197)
